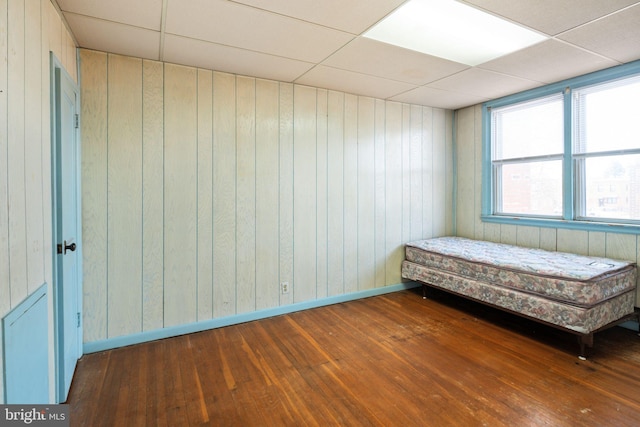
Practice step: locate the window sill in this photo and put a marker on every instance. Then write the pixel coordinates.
(557, 223)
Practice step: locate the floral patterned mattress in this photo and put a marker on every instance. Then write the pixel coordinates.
(576, 279)
(576, 292)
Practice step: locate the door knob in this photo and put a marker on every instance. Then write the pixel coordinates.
(71, 247)
(62, 249)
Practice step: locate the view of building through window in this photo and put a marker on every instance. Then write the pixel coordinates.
(607, 144)
(528, 150)
(532, 188)
(613, 187)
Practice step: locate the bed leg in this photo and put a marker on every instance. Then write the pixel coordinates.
(582, 355)
(584, 341)
(424, 292)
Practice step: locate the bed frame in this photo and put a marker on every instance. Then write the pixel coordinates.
(529, 282)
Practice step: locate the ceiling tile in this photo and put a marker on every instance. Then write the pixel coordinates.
(371, 57)
(217, 57)
(438, 98)
(316, 43)
(551, 16)
(242, 26)
(353, 16)
(549, 62)
(356, 83)
(140, 13)
(483, 83)
(113, 37)
(622, 40)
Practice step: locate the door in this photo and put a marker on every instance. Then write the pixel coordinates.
(66, 229)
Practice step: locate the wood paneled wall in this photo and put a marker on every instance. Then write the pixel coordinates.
(203, 191)
(29, 30)
(468, 208)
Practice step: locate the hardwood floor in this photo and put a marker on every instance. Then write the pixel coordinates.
(391, 360)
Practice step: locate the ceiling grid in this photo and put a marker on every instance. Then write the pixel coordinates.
(323, 44)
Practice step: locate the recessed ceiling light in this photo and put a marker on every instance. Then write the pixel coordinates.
(452, 30)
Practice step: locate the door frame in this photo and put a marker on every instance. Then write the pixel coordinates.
(58, 69)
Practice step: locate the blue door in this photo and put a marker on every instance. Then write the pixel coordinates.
(66, 207)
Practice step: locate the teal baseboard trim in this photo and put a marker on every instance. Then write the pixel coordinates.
(633, 325)
(174, 331)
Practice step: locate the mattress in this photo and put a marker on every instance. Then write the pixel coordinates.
(581, 281)
(579, 319)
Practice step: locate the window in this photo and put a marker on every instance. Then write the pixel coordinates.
(567, 154)
(606, 150)
(527, 140)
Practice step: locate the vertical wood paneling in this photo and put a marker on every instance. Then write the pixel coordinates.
(180, 194)
(393, 189)
(465, 208)
(246, 194)
(621, 246)
(350, 193)
(205, 195)
(94, 193)
(477, 143)
(366, 193)
(548, 239)
(380, 249)
(70, 60)
(152, 194)
(45, 127)
(286, 189)
(528, 236)
(25, 174)
(16, 152)
(624, 247)
(335, 201)
(246, 183)
(224, 194)
(321, 193)
(304, 193)
(55, 33)
(427, 172)
(416, 175)
(267, 194)
(26, 247)
(449, 171)
(5, 294)
(33, 147)
(406, 173)
(124, 177)
(62, 44)
(439, 172)
(509, 234)
(597, 243)
(492, 232)
(575, 241)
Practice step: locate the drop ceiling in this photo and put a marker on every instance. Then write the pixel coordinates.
(320, 43)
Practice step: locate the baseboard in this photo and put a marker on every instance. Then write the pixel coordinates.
(123, 341)
(633, 325)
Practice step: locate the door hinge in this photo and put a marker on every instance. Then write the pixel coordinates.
(77, 121)
(78, 319)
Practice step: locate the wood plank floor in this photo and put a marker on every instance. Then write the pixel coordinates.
(391, 360)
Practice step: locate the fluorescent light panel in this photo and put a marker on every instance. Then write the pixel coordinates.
(452, 30)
